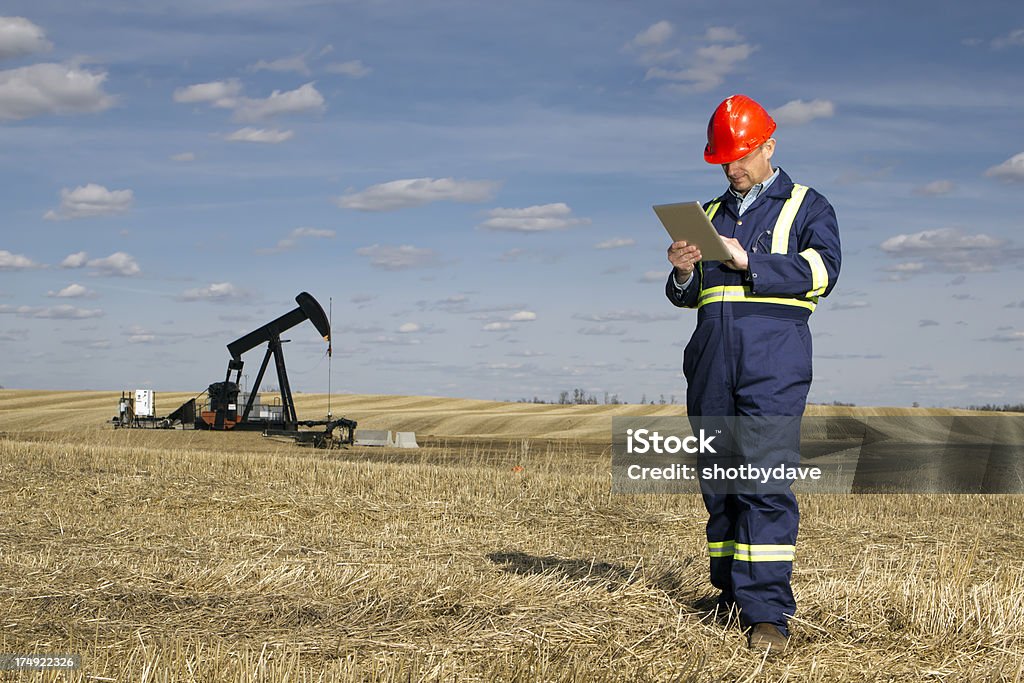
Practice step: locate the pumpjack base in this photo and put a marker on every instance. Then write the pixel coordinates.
(320, 439)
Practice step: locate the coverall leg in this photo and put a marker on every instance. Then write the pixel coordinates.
(751, 366)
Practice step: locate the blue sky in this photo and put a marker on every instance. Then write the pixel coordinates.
(471, 183)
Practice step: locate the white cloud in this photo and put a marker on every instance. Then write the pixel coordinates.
(118, 264)
(906, 267)
(653, 35)
(304, 99)
(1011, 39)
(1012, 336)
(615, 243)
(602, 330)
(399, 258)
(1011, 169)
(503, 366)
(723, 51)
(401, 194)
(393, 341)
(76, 260)
(270, 136)
(654, 276)
(141, 335)
(217, 292)
(493, 312)
(72, 291)
(319, 233)
(218, 93)
(944, 240)
(184, 156)
(282, 245)
(9, 261)
(87, 343)
(67, 312)
(354, 68)
(798, 112)
(19, 37)
(935, 188)
(51, 89)
(526, 354)
(508, 323)
(295, 235)
(409, 328)
(228, 95)
(626, 316)
(540, 218)
(296, 64)
(90, 200)
(849, 305)
(62, 312)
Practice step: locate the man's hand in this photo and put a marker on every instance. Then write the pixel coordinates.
(739, 254)
(684, 257)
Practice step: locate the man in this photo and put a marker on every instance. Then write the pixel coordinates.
(750, 353)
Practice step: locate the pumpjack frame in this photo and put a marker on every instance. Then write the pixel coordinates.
(223, 413)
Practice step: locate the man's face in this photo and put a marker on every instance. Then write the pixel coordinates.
(752, 169)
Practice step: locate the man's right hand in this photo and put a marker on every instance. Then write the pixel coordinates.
(684, 257)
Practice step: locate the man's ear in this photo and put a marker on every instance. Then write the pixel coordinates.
(769, 147)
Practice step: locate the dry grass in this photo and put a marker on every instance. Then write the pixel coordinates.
(170, 556)
(427, 415)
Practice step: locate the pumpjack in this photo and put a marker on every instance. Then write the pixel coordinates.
(223, 413)
(222, 410)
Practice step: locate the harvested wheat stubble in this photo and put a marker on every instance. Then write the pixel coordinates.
(209, 557)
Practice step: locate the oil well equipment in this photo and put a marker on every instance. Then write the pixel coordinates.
(228, 408)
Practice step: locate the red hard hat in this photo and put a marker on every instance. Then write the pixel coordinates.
(738, 127)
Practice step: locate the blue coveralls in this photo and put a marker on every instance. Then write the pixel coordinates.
(750, 355)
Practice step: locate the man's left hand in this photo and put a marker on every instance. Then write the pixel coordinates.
(739, 254)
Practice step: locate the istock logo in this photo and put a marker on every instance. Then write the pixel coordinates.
(645, 441)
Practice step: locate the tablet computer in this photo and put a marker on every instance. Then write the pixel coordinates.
(688, 222)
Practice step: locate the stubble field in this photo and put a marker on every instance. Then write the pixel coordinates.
(496, 552)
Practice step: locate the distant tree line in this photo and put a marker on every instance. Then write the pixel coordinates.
(579, 397)
(1005, 408)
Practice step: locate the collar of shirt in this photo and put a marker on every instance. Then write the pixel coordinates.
(743, 202)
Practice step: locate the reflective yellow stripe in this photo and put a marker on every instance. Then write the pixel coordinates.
(733, 293)
(764, 553)
(712, 209)
(721, 548)
(783, 226)
(819, 275)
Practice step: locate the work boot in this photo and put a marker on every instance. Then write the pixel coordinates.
(765, 636)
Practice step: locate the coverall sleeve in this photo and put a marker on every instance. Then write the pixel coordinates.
(813, 269)
(685, 297)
